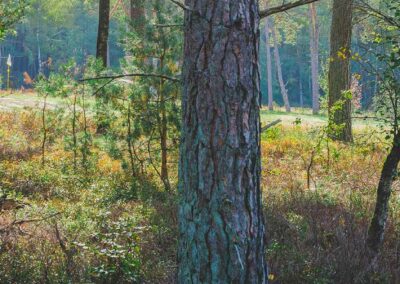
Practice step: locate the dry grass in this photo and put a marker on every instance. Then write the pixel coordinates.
(317, 234)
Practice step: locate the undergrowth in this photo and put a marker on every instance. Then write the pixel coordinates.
(98, 224)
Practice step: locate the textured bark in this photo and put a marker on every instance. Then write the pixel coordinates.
(221, 224)
(339, 67)
(103, 29)
(269, 65)
(389, 173)
(314, 50)
(282, 85)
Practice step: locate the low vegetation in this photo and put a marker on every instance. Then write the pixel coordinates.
(94, 223)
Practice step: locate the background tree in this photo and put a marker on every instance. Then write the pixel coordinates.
(388, 109)
(155, 50)
(279, 73)
(314, 51)
(339, 70)
(137, 13)
(269, 65)
(103, 31)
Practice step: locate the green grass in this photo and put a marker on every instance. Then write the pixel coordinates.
(26, 100)
(306, 118)
(289, 118)
(18, 100)
(32, 100)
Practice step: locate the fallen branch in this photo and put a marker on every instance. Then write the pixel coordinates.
(25, 221)
(270, 125)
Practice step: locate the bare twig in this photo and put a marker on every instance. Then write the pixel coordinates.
(115, 77)
(284, 7)
(181, 5)
(25, 221)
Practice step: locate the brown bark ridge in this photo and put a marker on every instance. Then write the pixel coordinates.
(282, 84)
(221, 226)
(339, 68)
(269, 65)
(103, 29)
(314, 50)
(389, 173)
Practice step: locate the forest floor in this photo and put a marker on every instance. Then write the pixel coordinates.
(83, 208)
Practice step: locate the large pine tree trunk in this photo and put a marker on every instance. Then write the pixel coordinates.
(339, 68)
(103, 29)
(379, 220)
(314, 50)
(278, 65)
(269, 65)
(221, 223)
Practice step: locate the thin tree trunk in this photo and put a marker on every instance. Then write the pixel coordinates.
(314, 50)
(389, 173)
(85, 146)
(339, 70)
(102, 53)
(74, 137)
(279, 69)
(137, 23)
(163, 127)
(269, 65)
(103, 30)
(221, 226)
(131, 151)
(44, 128)
(300, 70)
(39, 55)
(129, 140)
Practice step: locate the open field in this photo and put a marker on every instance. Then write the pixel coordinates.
(9, 101)
(307, 119)
(18, 100)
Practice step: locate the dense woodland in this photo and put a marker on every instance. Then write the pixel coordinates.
(230, 141)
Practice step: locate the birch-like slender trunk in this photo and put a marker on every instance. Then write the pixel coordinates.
(269, 65)
(282, 84)
(300, 70)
